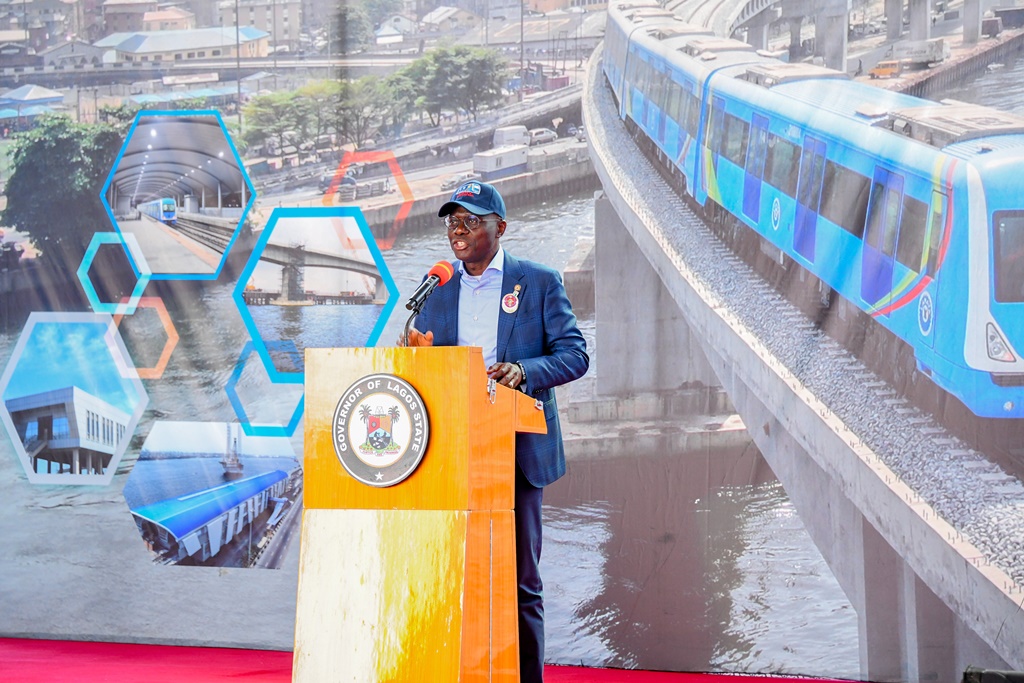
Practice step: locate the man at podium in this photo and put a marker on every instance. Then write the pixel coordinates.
(517, 311)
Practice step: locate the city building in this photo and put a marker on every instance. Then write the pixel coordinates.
(177, 46)
(68, 430)
(401, 23)
(16, 53)
(282, 19)
(120, 16)
(169, 19)
(71, 54)
(445, 18)
(23, 42)
(48, 20)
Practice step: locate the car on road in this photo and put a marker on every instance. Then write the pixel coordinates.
(540, 136)
(453, 181)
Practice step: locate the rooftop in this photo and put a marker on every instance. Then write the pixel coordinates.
(142, 42)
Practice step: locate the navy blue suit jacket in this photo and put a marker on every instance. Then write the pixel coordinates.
(541, 334)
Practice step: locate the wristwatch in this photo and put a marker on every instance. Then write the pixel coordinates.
(522, 383)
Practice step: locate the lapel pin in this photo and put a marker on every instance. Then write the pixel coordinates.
(510, 302)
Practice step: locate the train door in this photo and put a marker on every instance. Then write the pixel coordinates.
(928, 310)
(808, 196)
(756, 152)
(883, 219)
(716, 130)
(664, 94)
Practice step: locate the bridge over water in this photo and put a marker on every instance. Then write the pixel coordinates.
(921, 532)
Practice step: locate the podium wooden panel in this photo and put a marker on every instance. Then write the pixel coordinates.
(416, 581)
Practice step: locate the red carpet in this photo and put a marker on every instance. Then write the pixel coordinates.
(64, 661)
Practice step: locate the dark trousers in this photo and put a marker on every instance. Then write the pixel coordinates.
(531, 593)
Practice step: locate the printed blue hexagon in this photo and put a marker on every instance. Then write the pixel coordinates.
(248, 428)
(179, 187)
(139, 264)
(316, 278)
(70, 398)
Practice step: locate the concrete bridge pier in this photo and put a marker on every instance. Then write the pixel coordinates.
(906, 632)
(920, 19)
(893, 20)
(972, 21)
(643, 342)
(831, 36)
(757, 28)
(831, 26)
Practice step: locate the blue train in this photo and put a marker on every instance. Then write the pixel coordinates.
(912, 211)
(164, 210)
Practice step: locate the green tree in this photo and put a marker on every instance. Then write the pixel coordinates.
(357, 113)
(396, 100)
(270, 117)
(320, 100)
(355, 31)
(53, 194)
(120, 116)
(379, 10)
(460, 77)
(487, 73)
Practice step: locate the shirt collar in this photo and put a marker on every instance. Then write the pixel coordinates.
(497, 264)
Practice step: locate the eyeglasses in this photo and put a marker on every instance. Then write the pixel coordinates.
(470, 221)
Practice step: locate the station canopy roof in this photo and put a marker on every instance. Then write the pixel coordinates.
(174, 156)
(183, 515)
(30, 94)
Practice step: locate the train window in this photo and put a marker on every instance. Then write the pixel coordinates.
(781, 166)
(874, 221)
(675, 101)
(935, 229)
(913, 223)
(655, 94)
(844, 198)
(892, 216)
(758, 147)
(734, 139)
(692, 114)
(1008, 246)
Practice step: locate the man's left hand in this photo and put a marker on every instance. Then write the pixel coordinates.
(507, 374)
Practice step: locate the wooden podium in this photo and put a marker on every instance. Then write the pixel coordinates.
(413, 580)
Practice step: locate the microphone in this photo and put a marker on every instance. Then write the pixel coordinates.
(436, 276)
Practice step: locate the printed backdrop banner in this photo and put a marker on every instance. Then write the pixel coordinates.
(153, 344)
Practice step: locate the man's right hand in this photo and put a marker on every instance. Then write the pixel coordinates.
(417, 338)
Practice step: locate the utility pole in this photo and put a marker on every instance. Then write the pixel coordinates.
(238, 65)
(522, 51)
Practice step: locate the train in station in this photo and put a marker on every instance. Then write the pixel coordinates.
(908, 212)
(164, 210)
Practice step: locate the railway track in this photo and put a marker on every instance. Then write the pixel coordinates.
(216, 236)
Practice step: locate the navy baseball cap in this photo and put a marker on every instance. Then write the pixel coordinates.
(475, 197)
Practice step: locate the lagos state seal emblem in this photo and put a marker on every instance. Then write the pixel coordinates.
(380, 430)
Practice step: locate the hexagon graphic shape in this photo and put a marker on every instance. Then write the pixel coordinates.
(237, 398)
(139, 265)
(220, 501)
(180, 188)
(315, 278)
(331, 195)
(64, 401)
(157, 370)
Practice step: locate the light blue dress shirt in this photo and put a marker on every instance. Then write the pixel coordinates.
(479, 303)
